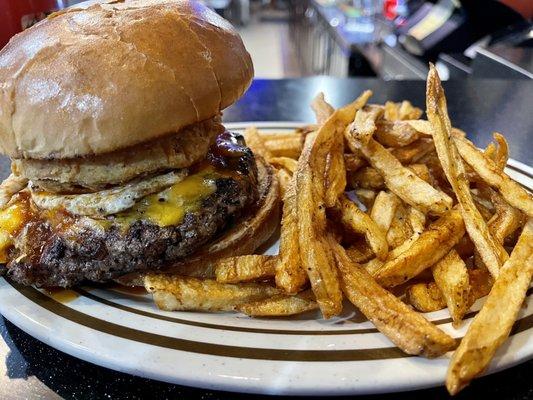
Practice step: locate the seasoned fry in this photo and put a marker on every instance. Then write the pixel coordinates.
(502, 151)
(395, 133)
(353, 162)
(245, 268)
(413, 152)
(422, 171)
(359, 222)
(179, 293)
(280, 305)
(400, 180)
(511, 191)
(335, 169)
(284, 162)
(292, 136)
(492, 253)
(430, 247)
(451, 276)
(367, 178)
(256, 143)
(321, 108)
(290, 275)
(425, 297)
(400, 229)
(384, 209)
(407, 329)
(492, 324)
(360, 252)
(506, 220)
(391, 112)
(364, 125)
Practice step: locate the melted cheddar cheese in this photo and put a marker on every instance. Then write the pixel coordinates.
(168, 207)
(12, 219)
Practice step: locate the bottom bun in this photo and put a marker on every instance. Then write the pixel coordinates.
(248, 234)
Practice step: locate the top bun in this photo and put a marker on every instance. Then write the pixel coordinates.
(93, 80)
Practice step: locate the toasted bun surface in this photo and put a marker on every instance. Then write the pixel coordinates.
(91, 81)
(243, 238)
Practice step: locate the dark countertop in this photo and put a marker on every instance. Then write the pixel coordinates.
(31, 369)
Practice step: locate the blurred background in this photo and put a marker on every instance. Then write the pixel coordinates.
(389, 39)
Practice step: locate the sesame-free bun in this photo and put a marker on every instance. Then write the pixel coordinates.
(88, 81)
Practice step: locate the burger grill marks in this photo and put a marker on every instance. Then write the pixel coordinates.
(158, 229)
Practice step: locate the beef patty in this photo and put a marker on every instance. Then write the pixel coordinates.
(47, 256)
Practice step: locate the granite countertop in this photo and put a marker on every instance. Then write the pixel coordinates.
(30, 369)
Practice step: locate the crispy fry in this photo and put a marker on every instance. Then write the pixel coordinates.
(492, 253)
(492, 324)
(321, 108)
(360, 252)
(511, 191)
(280, 305)
(384, 209)
(335, 169)
(367, 178)
(391, 111)
(245, 268)
(366, 196)
(279, 147)
(292, 136)
(400, 228)
(173, 292)
(364, 125)
(290, 275)
(395, 133)
(400, 180)
(425, 297)
(407, 329)
(506, 220)
(256, 143)
(430, 247)
(408, 111)
(422, 171)
(353, 162)
(502, 151)
(413, 152)
(284, 162)
(284, 179)
(359, 222)
(451, 276)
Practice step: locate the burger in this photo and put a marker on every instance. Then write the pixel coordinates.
(111, 116)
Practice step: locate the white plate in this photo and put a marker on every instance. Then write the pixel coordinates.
(307, 355)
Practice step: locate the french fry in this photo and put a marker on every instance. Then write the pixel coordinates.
(173, 293)
(284, 162)
(284, 179)
(384, 209)
(245, 268)
(366, 196)
(505, 220)
(359, 222)
(433, 244)
(502, 151)
(292, 136)
(321, 108)
(422, 171)
(407, 329)
(360, 252)
(280, 147)
(335, 169)
(492, 253)
(391, 111)
(425, 297)
(364, 125)
(395, 133)
(281, 305)
(413, 152)
(367, 178)
(407, 111)
(400, 229)
(492, 324)
(451, 276)
(511, 191)
(256, 143)
(400, 180)
(353, 162)
(290, 275)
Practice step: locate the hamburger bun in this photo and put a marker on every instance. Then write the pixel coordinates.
(91, 81)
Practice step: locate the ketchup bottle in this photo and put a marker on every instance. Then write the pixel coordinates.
(17, 15)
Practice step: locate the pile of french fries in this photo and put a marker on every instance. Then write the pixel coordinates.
(399, 215)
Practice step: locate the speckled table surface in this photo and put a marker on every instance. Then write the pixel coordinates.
(30, 369)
